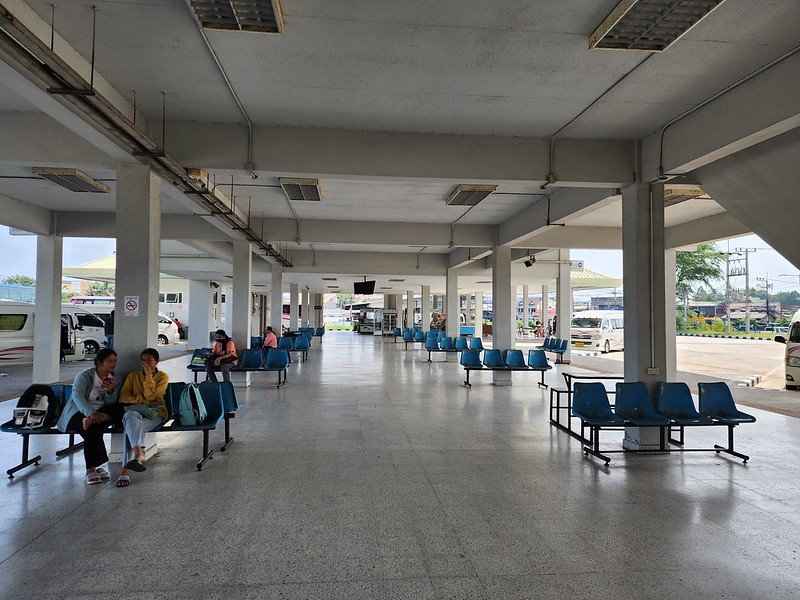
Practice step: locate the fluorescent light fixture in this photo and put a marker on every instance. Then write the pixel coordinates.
(649, 25)
(72, 179)
(301, 189)
(260, 16)
(469, 195)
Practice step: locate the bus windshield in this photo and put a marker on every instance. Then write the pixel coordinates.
(586, 323)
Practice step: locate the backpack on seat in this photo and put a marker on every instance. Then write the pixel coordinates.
(191, 410)
(38, 407)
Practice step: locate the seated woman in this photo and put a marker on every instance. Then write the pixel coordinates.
(142, 395)
(222, 357)
(89, 410)
(270, 339)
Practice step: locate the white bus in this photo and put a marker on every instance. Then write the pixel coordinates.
(598, 330)
(792, 356)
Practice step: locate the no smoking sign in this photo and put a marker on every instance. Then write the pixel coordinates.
(131, 306)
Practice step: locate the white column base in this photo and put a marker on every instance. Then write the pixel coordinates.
(240, 379)
(501, 378)
(641, 438)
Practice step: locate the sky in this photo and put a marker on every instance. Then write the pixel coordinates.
(19, 258)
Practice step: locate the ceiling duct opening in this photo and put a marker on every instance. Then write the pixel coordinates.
(469, 195)
(259, 16)
(307, 190)
(72, 179)
(676, 195)
(649, 25)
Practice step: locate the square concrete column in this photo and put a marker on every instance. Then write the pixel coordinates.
(201, 322)
(425, 308)
(670, 307)
(276, 299)
(138, 230)
(564, 301)
(452, 309)
(504, 324)
(643, 262)
(525, 306)
(294, 306)
(307, 314)
(47, 322)
(545, 307)
(409, 309)
(241, 303)
(478, 314)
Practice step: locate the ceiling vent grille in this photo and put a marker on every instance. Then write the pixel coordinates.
(329, 279)
(469, 195)
(397, 280)
(260, 16)
(72, 179)
(300, 190)
(673, 196)
(649, 25)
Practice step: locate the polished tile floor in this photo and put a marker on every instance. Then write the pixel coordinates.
(374, 474)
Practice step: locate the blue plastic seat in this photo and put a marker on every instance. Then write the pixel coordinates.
(441, 335)
(493, 359)
(590, 404)
(302, 344)
(419, 336)
(446, 344)
(396, 332)
(278, 360)
(717, 402)
(285, 343)
(461, 343)
(537, 361)
(516, 360)
(471, 359)
(548, 343)
(251, 360)
(319, 331)
(674, 401)
(475, 343)
(633, 404)
(256, 341)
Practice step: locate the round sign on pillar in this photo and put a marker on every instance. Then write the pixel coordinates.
(131, 306)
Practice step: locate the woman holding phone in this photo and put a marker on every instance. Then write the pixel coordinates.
(89, 410)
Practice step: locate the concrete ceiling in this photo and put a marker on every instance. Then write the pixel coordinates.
(390, 106)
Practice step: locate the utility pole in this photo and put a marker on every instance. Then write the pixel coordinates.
(728, 276)
(746, 252)
(767, 285)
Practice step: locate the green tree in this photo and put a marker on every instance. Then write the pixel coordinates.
(699, 266)
(22, 280)
(101, 288)
(343, 300)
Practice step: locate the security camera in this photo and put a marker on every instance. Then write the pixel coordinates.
(528, 262)
(214, 284)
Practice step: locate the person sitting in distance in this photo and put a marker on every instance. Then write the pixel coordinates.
(222, 357)
(270, 339)
(145, 390)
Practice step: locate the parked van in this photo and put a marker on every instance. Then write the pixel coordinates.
(792, 356)
(91, 326)
(16, 334)
(167, 330)
(598, 330)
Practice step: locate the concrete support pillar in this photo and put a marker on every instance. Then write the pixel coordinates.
(294, 306)
(545, 307)
(670, 306)
(425, 308)
(138, 220)
(526, 313)
(276, 299)
(435, 303)
(307, 309)
(241, 302)
(564, 301)
(200, 313)
(47, 324)
(504, 323)
(643, 266)
(478, 314)
(452, 310)
(410, 309)
(319, 316)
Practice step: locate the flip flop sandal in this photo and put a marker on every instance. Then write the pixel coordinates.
(101, 471)
(92, 478)
(123, 481)
(135, 465)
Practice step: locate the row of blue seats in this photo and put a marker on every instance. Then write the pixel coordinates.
(433, 341)
(504, 360)
(256, 341)
(219, 399)
(253, 360)
(555, 345)
(674, 407)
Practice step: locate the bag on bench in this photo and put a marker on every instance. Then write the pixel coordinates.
(37, 407)
(191, 409)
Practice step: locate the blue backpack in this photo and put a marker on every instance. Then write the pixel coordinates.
(191, 410)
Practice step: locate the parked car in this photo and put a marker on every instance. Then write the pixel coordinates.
(776, 329)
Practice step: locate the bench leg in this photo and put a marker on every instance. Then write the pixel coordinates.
(207, 453)
(542, 383)
(594, 449)
(72, 447)
(729, 449)
(467, 383)
(26, 462)
(228, 438)
(679, 440)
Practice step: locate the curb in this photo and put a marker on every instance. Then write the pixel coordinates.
(730, 337)
(751, 381)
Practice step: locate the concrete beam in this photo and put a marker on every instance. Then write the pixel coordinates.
(770, 102)
(173, 227)
(14, 213)
(461, 257)
(708, 229)
(600, 238)
(332, 152)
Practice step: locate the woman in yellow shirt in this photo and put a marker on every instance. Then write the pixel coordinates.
(145, 390)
